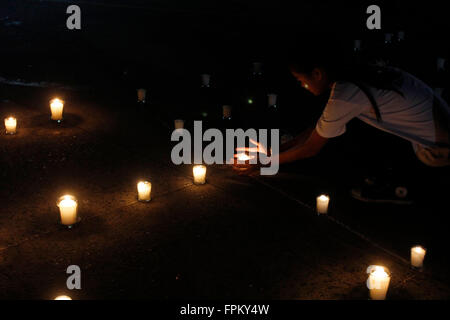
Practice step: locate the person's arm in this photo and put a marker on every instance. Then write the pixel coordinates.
(313, 144)
(298, 140)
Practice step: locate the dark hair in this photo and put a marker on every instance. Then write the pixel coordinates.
(363, 76)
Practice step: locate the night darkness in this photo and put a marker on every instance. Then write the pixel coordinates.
(240, 236)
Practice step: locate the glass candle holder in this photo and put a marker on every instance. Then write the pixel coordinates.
(141, 94)
(322, 202)
(56, 108)
(417, 256)
(11, 125)
(144, 191)
(226, 111)
(68, 209)
(206, 78)
(199, 172)
(378, 282)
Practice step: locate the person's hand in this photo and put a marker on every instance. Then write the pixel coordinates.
(259, 148)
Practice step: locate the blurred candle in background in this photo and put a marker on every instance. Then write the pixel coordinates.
(257, 68)
(68, 210)
(179, 124)
(322, 204)
(10, 125)
(141, 93)
(205, 80)
(417, 256)
(401, 35)
(357, 45)
(378, 282)
(272, 99)
(63, 298)
(56, 107)
(388, 37)
(199, 174)
(144, 191)
(226, 109)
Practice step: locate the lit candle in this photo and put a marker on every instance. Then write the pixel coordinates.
(144, 191)
(10, 125)
(417, 256)
(272, 99)
(199, 174)
(205, 80)
(226, 112)
(56, 107)
(179, 124)
(63, 298)
(322, 204)
(378, 282)
(141, 93)
(68, 209)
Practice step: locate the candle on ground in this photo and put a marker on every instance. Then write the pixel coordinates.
(272, 99)
(144, 191)
(10, 125)
(63, 298)
(417, 256)
(56, 107)
(179, 124)
(378, 282)
(199, 174)
(322, 204)
(68, 210)
(226, 109)
(205, 80)
(141, 93)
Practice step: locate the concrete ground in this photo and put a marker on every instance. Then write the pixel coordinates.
(235, 237)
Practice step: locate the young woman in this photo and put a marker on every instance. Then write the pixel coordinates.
(386, 98)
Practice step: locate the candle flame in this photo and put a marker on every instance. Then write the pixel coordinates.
(63, 298)
(199, 170)
(324, 197)
(143, 185)
(244, 157)
(419, 249)
(67, 201)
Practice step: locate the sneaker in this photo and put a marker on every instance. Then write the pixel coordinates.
(371, 192)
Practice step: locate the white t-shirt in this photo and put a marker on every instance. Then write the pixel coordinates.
(409, 116)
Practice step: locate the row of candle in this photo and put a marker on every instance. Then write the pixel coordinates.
(56, 108)
(379, 277)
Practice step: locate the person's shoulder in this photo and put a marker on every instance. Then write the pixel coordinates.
(344, 90)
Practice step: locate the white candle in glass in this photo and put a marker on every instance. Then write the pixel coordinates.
(56, 107)
(141, 93)
(63, 298)
(205, 80)
(322, 204)
(179, 124)
(199, 174)
(272, 99)
(10, 125)
(68, 210)
(226, 109)
(417, 256)
(378, 282)
(144, 191)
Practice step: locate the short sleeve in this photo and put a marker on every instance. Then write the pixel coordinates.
(339, 111)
